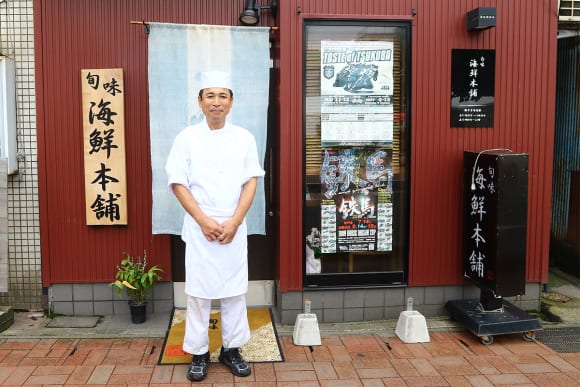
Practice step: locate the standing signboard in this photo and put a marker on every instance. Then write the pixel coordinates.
(494, 244)
(495, 217)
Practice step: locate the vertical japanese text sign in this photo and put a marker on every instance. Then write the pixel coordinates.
(104, 146)
(495, 219)
(478, 224)
(472, 88)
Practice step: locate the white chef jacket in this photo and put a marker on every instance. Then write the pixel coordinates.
(214, 165)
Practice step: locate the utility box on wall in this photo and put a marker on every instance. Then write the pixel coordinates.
(8, 113)
(495, 220)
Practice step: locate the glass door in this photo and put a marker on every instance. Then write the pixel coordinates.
(356, 159)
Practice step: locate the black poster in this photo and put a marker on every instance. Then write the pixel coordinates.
(472, 88)
(356, 212)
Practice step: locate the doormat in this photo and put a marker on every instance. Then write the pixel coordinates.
(562, 340)
(263, 346)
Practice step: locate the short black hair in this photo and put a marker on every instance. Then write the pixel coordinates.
(201, 93)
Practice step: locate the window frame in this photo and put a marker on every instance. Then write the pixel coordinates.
(373, 278)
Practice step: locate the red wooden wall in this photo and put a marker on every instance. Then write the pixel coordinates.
(71, 35)
(525, 44)
(75, 34)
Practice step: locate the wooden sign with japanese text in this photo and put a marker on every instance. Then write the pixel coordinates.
(104, 146)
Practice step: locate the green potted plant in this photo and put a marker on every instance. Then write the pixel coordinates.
(136, 280)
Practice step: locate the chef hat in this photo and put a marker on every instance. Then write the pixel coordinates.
(215, 79)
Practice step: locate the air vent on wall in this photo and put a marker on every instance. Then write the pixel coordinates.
(569, 11)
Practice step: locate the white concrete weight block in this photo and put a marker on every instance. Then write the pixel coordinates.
(306, 331)
(412, 327)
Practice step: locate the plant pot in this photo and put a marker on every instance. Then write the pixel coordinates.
(138, 313)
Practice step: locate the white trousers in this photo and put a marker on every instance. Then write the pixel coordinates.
(234, 324)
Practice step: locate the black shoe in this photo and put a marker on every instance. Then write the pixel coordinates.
(231, 357)
(198, 369)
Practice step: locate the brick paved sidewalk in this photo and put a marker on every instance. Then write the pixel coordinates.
(450, 359)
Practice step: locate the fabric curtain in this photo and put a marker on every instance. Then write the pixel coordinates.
(178, 54)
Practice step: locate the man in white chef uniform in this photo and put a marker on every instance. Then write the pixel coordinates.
(213, 169)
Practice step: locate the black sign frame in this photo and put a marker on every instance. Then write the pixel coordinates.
(472, 88)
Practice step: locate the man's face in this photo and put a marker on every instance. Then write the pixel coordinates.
(215, 103)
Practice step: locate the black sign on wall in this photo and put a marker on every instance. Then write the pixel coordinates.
(472, 88)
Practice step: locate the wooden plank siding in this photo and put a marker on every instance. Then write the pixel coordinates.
(525, 44)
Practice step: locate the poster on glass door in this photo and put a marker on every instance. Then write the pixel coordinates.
(356, 92)
(356, 209)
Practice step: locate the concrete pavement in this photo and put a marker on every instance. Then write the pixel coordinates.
(561, 301)
(36, 351)
(452, 358)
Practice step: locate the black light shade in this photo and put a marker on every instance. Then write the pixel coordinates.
(251, 14)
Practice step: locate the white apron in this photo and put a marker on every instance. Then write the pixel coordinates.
(214, 165)
(212, 270)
